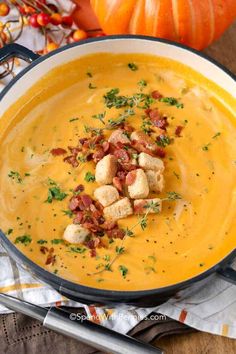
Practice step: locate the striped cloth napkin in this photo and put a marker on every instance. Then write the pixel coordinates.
(211, 309)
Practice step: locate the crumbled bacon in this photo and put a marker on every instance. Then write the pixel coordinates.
(79, 188)
(78, 218)
(93, 252)
(116, 233)
(98, 155)
(51, 258)
(58, 152)
(156, 95)
(118, 183)
(178, 130)
(160, 152)
(86, 199)
(105, 146)
(72, 160)
(122, 155)
(43, 249)
(74, 203)
(109, 225)
(130, 178)
(161, 123)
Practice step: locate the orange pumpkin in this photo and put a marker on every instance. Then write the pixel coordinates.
(195, 23)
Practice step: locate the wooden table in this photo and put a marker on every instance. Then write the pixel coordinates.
(224, 51)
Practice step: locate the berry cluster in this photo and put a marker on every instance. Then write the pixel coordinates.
(44, 16)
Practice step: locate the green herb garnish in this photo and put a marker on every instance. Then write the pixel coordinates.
(171, 101)
(42, 242)
(120, 250)
(25, 239)
(77, 249)
(57, 241)
(100, 116)
(132, 66)
(54, 192)
(15, 176)
(91, 86)
(89, 177)
(123, 270)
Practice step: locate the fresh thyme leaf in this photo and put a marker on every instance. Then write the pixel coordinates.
(96, 131)
(57, 241)
(142, 84)
(25, 239)
(73, 119)
(132, 66)
(89, 74)
(176, 175)
(123, 270)
(163, 141)
(206, 147)
(68, 212)
(120, 250)
(91, 86)
(153, 258)
(171, 196)
(108, 267)
(100, 116)
(171, 101)
(107, 258)
(216, 135)
(153, 206)
(77, 249)
(89, 177)
(112, 124)
(15, 176)
(146, 126)
(9, 231)
(113, 100)
(129, 233)
(41, 242)
(143, 222)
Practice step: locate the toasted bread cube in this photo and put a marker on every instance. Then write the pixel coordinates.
(155, 181)
(152, 206)
(106, 195)
(119, 210)
(75, 233)
(144, 139)
(106, 169)
(148, 162)
(119, 136)
(139, 187)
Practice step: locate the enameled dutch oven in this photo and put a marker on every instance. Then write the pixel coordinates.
(37, 68)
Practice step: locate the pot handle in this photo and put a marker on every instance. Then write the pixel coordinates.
(14, 50)
(228, 274)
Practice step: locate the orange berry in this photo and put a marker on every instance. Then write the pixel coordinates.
(79, 34)
(4, 9)
(56, 19)
(51, 46)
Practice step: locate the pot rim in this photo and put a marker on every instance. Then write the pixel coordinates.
(52, 278)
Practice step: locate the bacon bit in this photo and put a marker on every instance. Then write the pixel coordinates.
(160, 152)
(122, 155)
(117, 183)
(86, 199)
(43, 249)
(74, 203)
(116, 233)
(105, 146)
(74, 150)
(128, 128)
(141, 147)
(161, 123)
(58, 152)
(98, 155)
(93, 253)
(93, 243)
(156, 94)
(154, 114)
(51, 258)
(98, 206)
(178, 130)
(129, 167)
(109, 225)
(79, 188)
(130, 178)
(121, 174)
(101, 220)
(79, 217)
(83, 140)
(91, 227)
(71, 160)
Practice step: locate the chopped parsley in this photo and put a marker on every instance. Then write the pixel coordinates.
(100, 116)
(54, 192)
(9, 232)
(123, 270)
(142, 84)
(57, 241)
(91, 86)
(73, 119)
(25, 239)
(68, 213)
(77, 249)
(163, 140)
(15, 176)
(171, 101)
(42, 242)
(89, 177)
(132, 66)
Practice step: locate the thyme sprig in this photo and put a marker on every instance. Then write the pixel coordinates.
(142, 222)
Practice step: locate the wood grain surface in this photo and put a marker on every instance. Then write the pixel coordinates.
(224, 51)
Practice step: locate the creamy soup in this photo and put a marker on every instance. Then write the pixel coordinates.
(190, 234)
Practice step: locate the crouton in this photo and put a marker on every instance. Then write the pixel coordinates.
(138, 187)
(152, 206)
(155, 181)
(144, 141)
(119, 136)
(75, 233)
(106, 169)
(106, 195)
(148, 162)
(118, 210)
